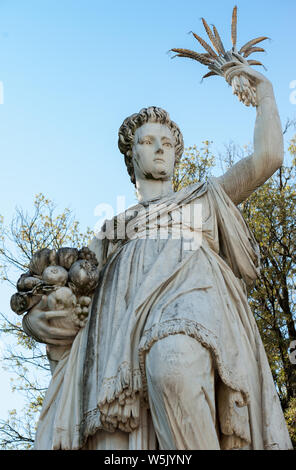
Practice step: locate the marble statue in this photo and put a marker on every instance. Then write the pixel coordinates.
(169, 356)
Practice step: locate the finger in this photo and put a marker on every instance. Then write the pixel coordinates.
(253, 96)
(229, 65)
(237, 73)
(42, 305)
(243, 84)
(253, 100)
(252, 75)
(237, 92)
(60, 333)
(232, 72)
(58, 342)
(234, 87)
(56, 314)
(236, 83)
(236, 70)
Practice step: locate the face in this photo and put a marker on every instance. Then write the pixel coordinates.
(153, 152)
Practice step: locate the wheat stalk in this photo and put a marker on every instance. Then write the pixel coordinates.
(255, 62)
(219, 63)
(193, 55)
(219, 41)
(252, 43)
(210, 34)
(210, 74)
(250, 51)
(205, 45)
(234, 27)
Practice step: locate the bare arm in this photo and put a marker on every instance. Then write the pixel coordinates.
(249, 173)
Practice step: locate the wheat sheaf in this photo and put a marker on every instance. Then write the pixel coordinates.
(219, 60)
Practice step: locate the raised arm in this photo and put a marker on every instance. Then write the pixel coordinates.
(251, 172)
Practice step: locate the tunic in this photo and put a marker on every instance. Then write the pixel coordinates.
(159, 285)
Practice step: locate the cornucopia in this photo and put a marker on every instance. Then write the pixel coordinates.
(67, 276)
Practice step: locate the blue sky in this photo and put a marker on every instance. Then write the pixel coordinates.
(72, 70)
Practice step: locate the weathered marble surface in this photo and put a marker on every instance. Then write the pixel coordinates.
(170, 328)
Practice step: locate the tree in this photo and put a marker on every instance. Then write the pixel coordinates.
(195, 165)
(271, 214)
(25, 357)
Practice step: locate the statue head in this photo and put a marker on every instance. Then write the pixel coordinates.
(139, 132)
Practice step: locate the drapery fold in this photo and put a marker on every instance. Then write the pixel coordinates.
(151, 288)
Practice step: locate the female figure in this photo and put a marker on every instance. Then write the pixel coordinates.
(171, 356)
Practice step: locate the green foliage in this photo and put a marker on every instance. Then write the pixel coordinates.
(28, 233)
(290, 415)
(271, 214)
(195, 165)
(24, 357)
(17, 433)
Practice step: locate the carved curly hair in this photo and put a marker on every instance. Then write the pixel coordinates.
(126, 134)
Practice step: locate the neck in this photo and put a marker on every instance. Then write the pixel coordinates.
(152, 189)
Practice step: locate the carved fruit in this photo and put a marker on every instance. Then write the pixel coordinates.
(21, 303)
(84, 276)
(27, 282)
(55, 275)
(62, 298)
(84, 301)
(67, 257)
(41, 259)
(86, 253)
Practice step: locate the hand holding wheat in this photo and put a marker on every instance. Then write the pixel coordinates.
(225, 63)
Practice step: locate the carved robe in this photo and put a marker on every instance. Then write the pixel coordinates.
(150, 289)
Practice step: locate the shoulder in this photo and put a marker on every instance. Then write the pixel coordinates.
(191, 191)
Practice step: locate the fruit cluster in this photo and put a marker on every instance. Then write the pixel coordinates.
(68, 276)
